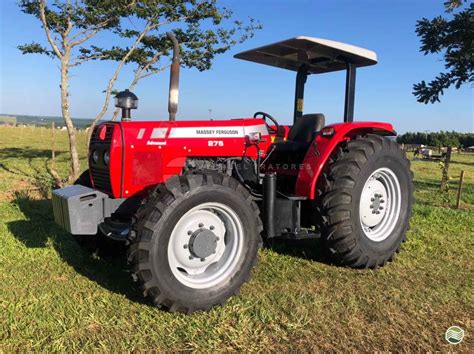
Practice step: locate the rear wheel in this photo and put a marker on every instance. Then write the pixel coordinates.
(195, 241)
(365, 201)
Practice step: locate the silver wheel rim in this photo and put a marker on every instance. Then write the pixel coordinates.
(380, 204)
(219, 232)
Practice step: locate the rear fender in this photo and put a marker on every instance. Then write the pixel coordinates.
(322, 148)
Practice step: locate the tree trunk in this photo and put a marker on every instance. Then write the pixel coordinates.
(75, 166)
(447, 160)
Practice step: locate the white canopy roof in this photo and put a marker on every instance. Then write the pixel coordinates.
(321, 55)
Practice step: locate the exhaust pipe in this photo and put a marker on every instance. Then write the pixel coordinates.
(174, 79)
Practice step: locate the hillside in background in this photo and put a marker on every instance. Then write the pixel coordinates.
(80, 123)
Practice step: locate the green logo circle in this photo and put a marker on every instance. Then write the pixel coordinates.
(454, 335)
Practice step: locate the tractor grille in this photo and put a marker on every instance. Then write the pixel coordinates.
(101, 180)
(99, 171)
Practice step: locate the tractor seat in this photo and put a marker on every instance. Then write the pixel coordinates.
(306, 127)
(300, 137)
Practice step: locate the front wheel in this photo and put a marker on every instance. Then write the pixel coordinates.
(195, 241)
(365, 201)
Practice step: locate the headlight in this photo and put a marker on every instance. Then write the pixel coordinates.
(106, 157)
(95, 156)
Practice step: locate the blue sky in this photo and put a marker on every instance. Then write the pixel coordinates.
(235, 88)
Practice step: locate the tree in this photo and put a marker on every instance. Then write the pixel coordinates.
(139, 26)
(448, 140)
(454, 39)
(433, 139)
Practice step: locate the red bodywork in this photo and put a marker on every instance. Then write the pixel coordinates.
(315, 159)
(151, 152)
(144, 154)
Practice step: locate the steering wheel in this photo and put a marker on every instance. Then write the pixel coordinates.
(266, 116)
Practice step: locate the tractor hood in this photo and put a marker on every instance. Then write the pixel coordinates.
(144, 154)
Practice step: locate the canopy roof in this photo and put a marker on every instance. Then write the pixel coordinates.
(321, 55)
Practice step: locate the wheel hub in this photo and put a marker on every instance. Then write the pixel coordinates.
(380, 203)
(203, 243)
(373, 198)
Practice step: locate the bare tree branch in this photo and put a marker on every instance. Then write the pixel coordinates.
(149, 26)
(137, 77)
(42, 6)
(69, 22)
(152, 72)
(91, 32)
(88, 34)
(80, 60)
(152, 61)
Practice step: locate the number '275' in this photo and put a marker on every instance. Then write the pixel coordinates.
(215, 143)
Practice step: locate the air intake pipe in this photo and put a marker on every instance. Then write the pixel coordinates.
(174, 79)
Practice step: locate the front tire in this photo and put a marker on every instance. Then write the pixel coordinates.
(365, 201)
(195, 241)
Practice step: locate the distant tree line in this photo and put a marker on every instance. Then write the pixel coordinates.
(438, 139)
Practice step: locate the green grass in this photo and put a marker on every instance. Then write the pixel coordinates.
(56, 297)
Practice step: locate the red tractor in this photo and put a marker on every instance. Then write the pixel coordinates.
(193, 200)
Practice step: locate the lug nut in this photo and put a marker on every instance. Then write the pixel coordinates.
(190, 232)
(380, 207)
(372, 199)
(373, 211)
(382, 201)
(371, 206)
(185, 246)
(211, 227)
(201, 225)
(203, 259)
(191, 257)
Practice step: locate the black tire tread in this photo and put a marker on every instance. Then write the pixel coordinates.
(151, 211)
(334, 188)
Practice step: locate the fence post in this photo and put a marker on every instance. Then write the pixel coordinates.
(461, 181)
(53, 144)
(445, 176)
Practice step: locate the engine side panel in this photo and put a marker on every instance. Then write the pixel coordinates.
(155, 151)
(322, 147)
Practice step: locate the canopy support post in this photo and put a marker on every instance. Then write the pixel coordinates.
(350, 93)
(301, 77)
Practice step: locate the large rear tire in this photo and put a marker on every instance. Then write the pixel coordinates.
(365, 200)
(195, 241)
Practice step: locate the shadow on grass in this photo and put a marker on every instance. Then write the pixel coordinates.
(313, 250)
(109, 270)
(26, 153)
(44, 180)
(422, 185)
(454, 162)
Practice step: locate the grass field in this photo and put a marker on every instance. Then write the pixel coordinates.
(56, 297)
